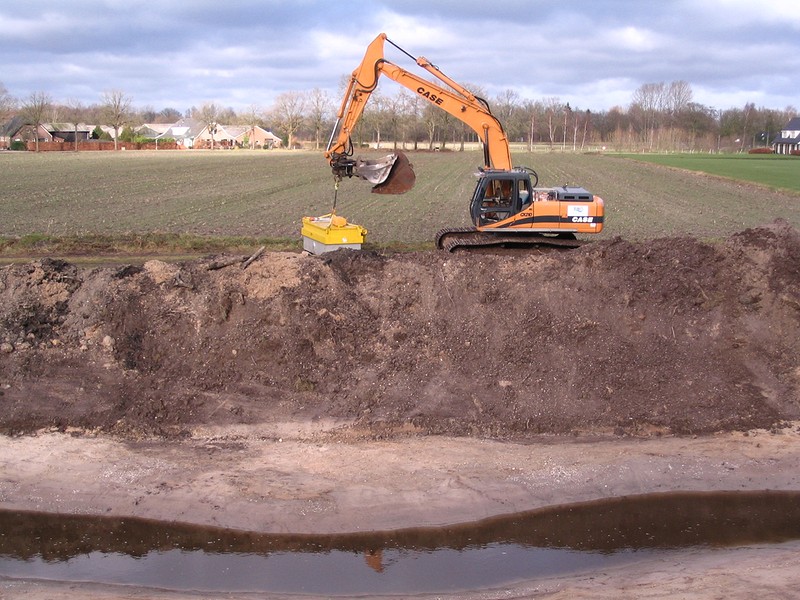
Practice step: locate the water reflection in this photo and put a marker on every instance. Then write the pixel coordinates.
(488, 553)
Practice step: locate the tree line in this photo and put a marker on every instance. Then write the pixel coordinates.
(660, 117)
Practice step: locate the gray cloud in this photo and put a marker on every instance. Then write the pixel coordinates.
(246, 52)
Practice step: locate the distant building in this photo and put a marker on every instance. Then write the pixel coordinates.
(788, 140)
(246, 136)
(184, 132)
(54, 132)
(69, 132)
(8, 130)
(187, 133)
(153, 130)
(237, 136)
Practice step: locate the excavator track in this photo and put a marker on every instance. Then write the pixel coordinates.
(470, 238)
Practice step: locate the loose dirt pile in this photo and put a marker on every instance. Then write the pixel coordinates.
(672, 335)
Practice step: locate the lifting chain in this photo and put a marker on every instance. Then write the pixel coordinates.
(335, 195)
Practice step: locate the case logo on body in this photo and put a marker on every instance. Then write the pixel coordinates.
(579, 214)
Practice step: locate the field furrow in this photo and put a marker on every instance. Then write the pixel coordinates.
(265, 194)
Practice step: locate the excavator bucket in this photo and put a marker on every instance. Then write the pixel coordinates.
(398, 178)
(374, 171)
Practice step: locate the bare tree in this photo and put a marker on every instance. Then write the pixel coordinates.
(431, 122)
(209, 115)
(320, 109)
(650, 98)
(252, 117)
(289, 114)
(698, 123)
(748, 111)
(412, 115)
(396, 107)
(7, 105)
(226, 115)
(531, 110)
(374, 115)
(553, 108)
(116, 111)
(34, 109)
(168, 115)
(74, 113)
(678, 97)
(507, 110)
(587, 118)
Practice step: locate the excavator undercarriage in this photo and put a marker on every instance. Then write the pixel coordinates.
(452, 239)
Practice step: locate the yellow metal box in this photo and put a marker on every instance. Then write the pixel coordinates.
(331, 232)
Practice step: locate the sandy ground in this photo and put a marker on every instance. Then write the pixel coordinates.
(295, 477)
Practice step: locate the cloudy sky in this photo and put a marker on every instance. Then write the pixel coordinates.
(242, 53)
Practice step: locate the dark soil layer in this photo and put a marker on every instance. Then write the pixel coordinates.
(671, 335)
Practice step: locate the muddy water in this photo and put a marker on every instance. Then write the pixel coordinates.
(490, 553)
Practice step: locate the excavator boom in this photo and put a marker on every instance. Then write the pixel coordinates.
(457, 100)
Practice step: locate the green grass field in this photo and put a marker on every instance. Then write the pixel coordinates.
(773, 171)
(199, 200)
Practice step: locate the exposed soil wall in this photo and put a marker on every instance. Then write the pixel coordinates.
(673, 335)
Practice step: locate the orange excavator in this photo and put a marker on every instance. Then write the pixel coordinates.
(507, 206)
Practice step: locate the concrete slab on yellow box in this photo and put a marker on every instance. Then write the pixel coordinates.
(331, 232)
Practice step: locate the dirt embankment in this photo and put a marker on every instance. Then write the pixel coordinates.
(672, 335)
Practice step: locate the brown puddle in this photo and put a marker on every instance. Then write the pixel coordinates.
(553, 541)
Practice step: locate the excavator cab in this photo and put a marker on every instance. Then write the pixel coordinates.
(500, 195)
(510, 201)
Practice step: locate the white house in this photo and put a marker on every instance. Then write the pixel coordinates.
(788, 140)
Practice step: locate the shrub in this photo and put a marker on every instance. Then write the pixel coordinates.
(18, 145)
(99, 134)
(127, 134)
(761, 151)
